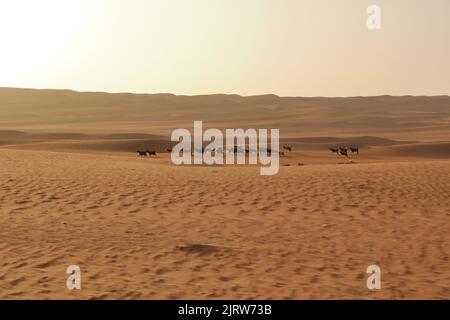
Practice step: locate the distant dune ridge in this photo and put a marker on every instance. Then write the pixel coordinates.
(405, 118)
(74, 191)
(124, 122)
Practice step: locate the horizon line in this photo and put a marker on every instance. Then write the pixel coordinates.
(226, 94)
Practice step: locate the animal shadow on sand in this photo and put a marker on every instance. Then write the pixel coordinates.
(199, 249)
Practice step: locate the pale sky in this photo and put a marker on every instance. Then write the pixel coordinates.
(285, 47)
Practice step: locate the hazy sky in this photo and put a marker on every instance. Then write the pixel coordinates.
(286, 47)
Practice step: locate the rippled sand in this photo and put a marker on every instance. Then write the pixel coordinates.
(145, 229)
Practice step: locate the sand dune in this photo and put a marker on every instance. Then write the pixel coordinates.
(98, 146)
(141, 229)
(312, 150)
(364, 141)
(20, 136)
(398, 118)
(73, 191)
(423, 150)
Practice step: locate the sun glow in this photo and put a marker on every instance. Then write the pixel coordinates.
(290, 47)
(37, 36)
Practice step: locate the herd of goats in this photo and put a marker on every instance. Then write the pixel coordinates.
(342, 151)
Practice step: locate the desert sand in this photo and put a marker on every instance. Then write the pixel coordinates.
(73, 192)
